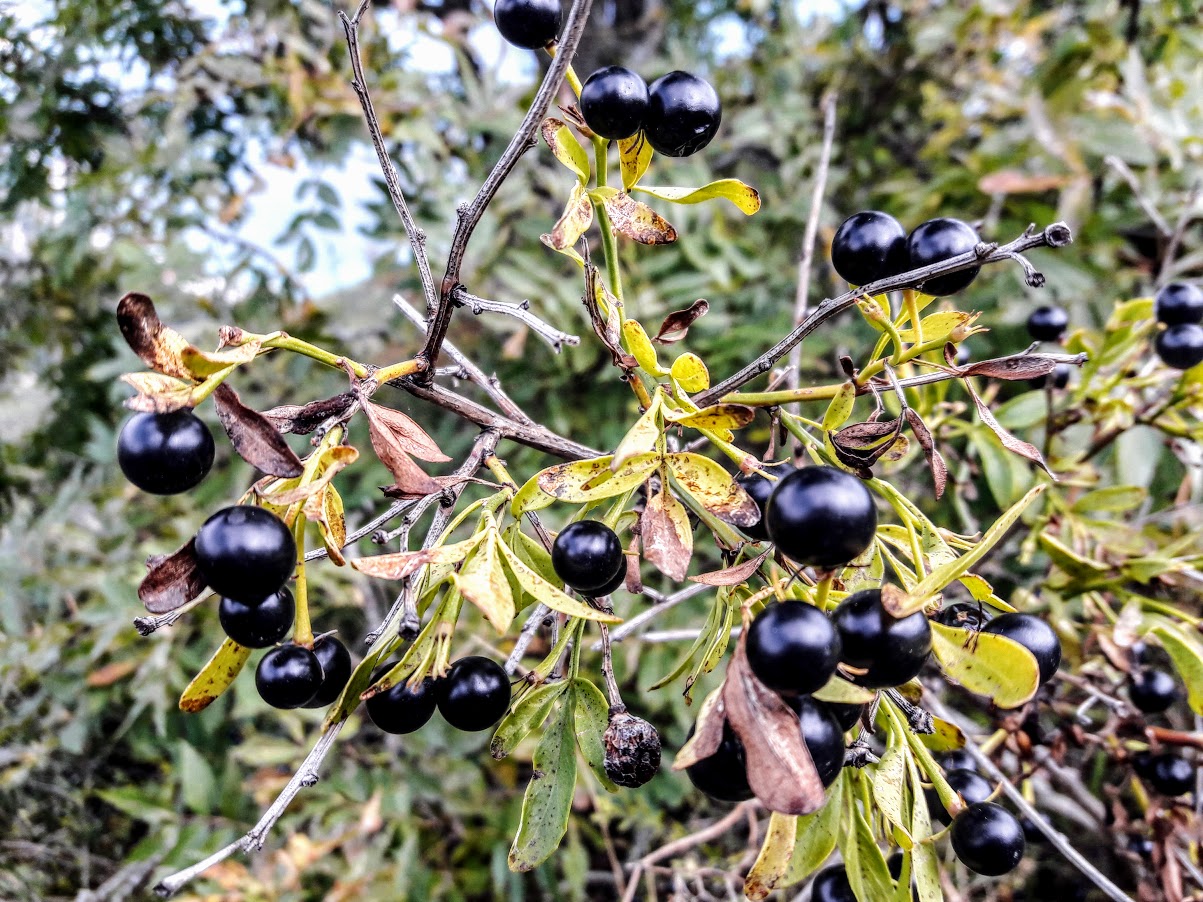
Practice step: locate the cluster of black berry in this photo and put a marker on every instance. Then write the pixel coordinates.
(872, 245)
(473, 696)
(1179, 307)
(1154, 691)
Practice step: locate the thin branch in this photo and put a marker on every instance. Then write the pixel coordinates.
(534, 620)
(1171, 249)
(521, 312)
(397, 507)
(524, 139)
(1055, 235)
(666, 603)
(1122, 170)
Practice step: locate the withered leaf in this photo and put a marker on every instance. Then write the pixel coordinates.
(939, 471)
(172, 581)
(296, 419)
(333, 460)
(573, 222)
(403, 563)
(637, 221)
(254, 437)
(780, 770)
(714, 488)
(862, 444)
(634, 583)
(158, 393)
(1010, 442)
(408, 434)
(732, 576)
(707, 732)
(676, 325)
(667, 536)
(158, 346)
(1014, 368)
(392, 447)
(606, 325)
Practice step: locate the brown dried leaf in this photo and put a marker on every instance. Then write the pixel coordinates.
(403, 563)
(333, 460)
(408, 434)
(1017, 368)
(1012, 181)
(707, 732)
(939, 471)
(732, 576)
(634, 583)
(303, 419)
(573, 222)
(714, 488)
(158, 346)
(1010, 442)
(172, 581)
(254, 437)
(638, 221)
(391, 446)
(780, 770)
(861, 445)
(606, 325)
(326, 509)
(667, 537)
(676, 325)
(158, 393)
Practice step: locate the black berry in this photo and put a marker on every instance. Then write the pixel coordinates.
(831, 885)
(475, 693)
(165, 453)
(988, 839)
(972, 786)
(760, 488)
(821, 516)
(1152, 690)
(792, 647)
(937, 240)
(1180, 346)
(962, 355)
(722, 776)
(288, 676)
(823, 735)
(1048, 323)
(245, 552)
(613, 585)
(528, 23)
(587, 555)
(614, 102)
(958, 759)
(683, 114)
(847, 715)
(965, 615)
(401, 709)
(1178, 303)
(869, 246)
(336, 671)
(1171, 775)
(890, 650)
(1061, 374)
(258, 624)
(1033, 634)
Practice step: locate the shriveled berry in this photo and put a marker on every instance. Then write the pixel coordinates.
(632, 747)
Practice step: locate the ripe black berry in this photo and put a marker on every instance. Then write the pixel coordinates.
(1171, 775)
(1152, 690)
(336, 671)
(258, 624)
(937, 240)
(847, 715)
(831, 885)
(792, 647)
(760, 489)
(722, 776)
(972, 786)
(165, 453)
(1180, 346)
(869, 246)
(683, 114)
(890, 650)
(1048, 323)
(988, 839)
(401, 709)
(587, 555)
(821, 516)
(288, 676)
(958, 759)
(823, 736)
(1061, 374)
(1179, 302)
(245, 552)
(965, 615)
(475, 693)
(1033, 634)
(613, 585)
(614, 102)
(528, 23)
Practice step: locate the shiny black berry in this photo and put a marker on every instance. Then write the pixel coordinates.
(890, 650)
(869, 246)
(1061, 374)
(1033, 634)
(245, 552)
(400, 709)
(937, 240)
(958, 759)
(831, 885)
(972, 786)
(260, 623)
(847, 715)
(1171, 775)
(587, 555)
(722, 776)
(792, 647)
(528, 23)
(760, 488)
(965, 615)
(614, 102)
(1048, 323)
(988, 839)
(1152, 690)
(475, 693)
(821, 516)
(683, 114)
(336, 671)
(613, 585)
(288, 676)
(165, 453)
(1180, 346)
(1179, 302)
(823, 735)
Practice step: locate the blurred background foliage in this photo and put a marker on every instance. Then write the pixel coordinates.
(145, 146)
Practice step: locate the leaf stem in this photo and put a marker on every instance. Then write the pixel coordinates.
(285, 342)
(302, 632)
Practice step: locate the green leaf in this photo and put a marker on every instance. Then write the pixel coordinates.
(866, 866)
(548, 801)
(565, 147)
(772, 864)
(840, 407)
(634, 158)
(546, 593)
(592, 718)
(197, 783)
(745, 198)
(994, 666)
(215, 677)
(585, 481)
(1111, 499)
(528, 712)
(532, 552)
(817, 834)
(839, 691)
(1188, 661)
(889, 774)
(925, 868)
(530, 498)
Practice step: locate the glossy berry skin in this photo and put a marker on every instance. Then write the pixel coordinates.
(258, 624)
(1048, 323)
(683, 114)
(972, 786)
(1061, 375)
(1033, 634)
(288, 676)
(165, 453)
(1171, 775)
(613, 585)
(614, 102)
(937, 240)
(722, 776)
(792, 647)
(988, 839)
(475, 694)
(336, 671)
(587, 555)
(965, 615)
(760, 489)
(869, 246)
(958, 759)
(1181, 346)
(890, 650)
(400, 710)
(1152, 690)
(831, 885)
(821, 516)
(847, 715)
(823, 735)
(245, 552)
(1179, 302)
(528, 23)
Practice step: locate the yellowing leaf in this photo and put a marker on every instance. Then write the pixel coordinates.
(404, 563)
(215, 677)
(634, 158)
(840, 407)
(565, 147)
(667, 536)
(994, 666)
(745, 198)
(158, 393)
(940, 325)
(720, 416)
(543, 591)
(530, 498)
(642, 436)
(482, 581)
(817, 834)
(690, 372)
(573, 222)
(334, 459)
(772, 864)
(713, 488)
(841, 692)
(583, 481)
(641, 347)
(638, 221)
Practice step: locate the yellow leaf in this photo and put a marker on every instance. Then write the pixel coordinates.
(482, 581)
(566, 148)
(713, 488)
(772, 864)
(543, 591)
(642, 436)
(634, 157)
(530, 498)
(840, 407)
(986, 664)
(690, 372)
(638, 221)
(718, 417)
(641, 347)
(215, 677)
(584, 481)
(573, 222)
(745, 198)
(940, 325)
(841, 692)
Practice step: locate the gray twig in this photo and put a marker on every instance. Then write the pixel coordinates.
(1171, 249)
(665, 604)
(533, 621)
(1123, 171)
(521, 312)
